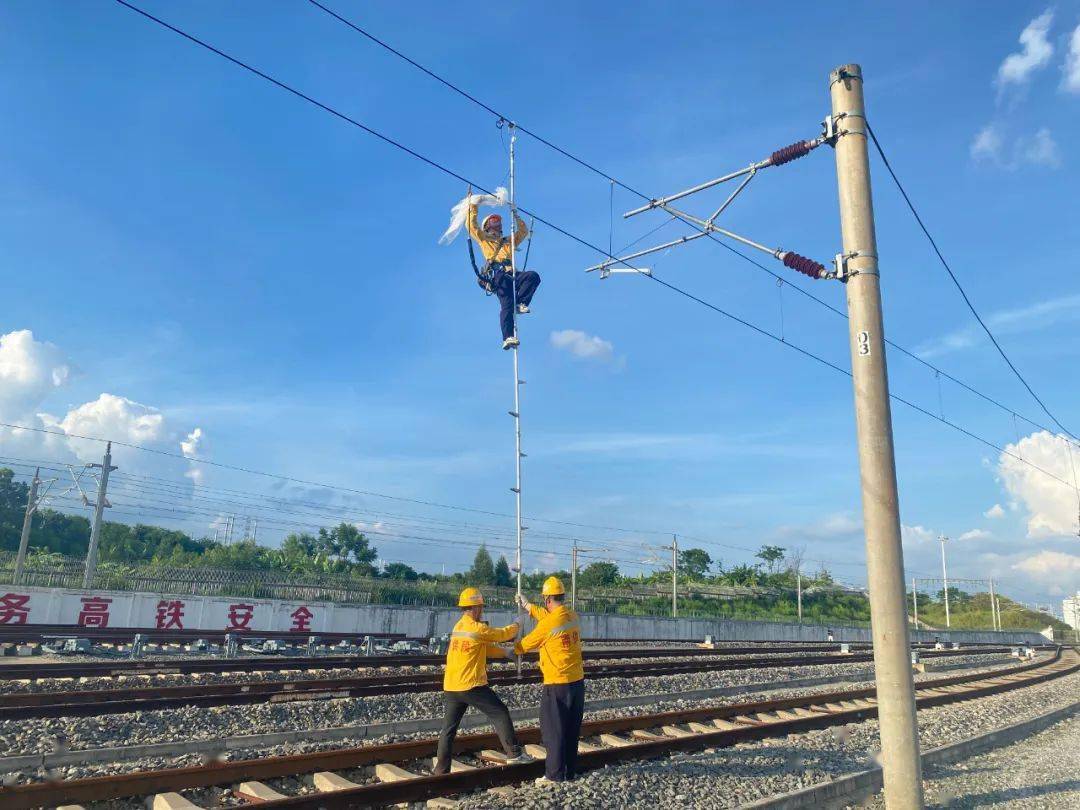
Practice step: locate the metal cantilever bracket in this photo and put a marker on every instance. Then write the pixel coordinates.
(843, 272)
(610, 271)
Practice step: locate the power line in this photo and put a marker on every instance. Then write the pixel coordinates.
(616, 182)
(956, 281)
(457, 176)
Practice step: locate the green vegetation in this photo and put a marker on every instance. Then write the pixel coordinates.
(338, 563)
(972, 610)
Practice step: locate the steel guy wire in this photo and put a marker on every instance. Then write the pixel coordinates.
(956, 281)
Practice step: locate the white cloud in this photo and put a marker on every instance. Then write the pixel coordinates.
(1056, 571)
(1039, 316)
(987, 144)
(583, 346)
(191, 447)
(994, 512)
(1070, 81)
(975, 534)
(916, 534)
(991, 146)
(1050, 504)
(1035, 53)
(112, 417)
(1041, 150)
(838, 525)
(29, 372)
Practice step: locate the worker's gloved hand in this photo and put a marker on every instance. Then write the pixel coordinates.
(522, 602)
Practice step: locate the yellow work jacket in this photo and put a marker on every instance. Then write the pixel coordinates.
(558, 637)
(495, 249)
(471, 644)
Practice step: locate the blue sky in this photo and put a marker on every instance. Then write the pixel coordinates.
(215, 254)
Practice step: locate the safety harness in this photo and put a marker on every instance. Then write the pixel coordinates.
(486, 276)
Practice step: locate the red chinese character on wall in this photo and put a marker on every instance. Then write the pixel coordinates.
(14, 609)
(95, 612)
(301, 619)
(240, 616)
(169, 614)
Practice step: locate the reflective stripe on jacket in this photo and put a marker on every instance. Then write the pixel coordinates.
(495, 249)
(558, 637)
(471, 643)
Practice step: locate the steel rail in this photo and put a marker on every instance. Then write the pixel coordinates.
(39, 671)
(103, 788)
(21, 706)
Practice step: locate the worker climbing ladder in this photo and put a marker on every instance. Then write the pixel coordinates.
(514, 287)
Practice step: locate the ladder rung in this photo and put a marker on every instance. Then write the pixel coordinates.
(514, 414)
(514, 489)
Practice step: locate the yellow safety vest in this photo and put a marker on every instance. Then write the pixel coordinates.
(558, 637)
(471, 644)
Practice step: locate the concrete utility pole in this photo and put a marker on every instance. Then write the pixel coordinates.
(798, 592)
(28, 519)
(993, 609)
(573, 576)
(915, 601)
(95, 531)
(674, 577)
(945, 581)
(877, 463)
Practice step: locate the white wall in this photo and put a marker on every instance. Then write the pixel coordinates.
(214, 613)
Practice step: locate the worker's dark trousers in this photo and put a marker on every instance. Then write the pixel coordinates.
(527, 282)
(485, 700)
(561, 708)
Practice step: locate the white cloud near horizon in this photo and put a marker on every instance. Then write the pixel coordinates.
(583, 346)
(1070, 80)
(975, 534)
(191, 447)
(1035, 52)
(1033, 317)
(916, 534)
(31, 371)
(1051, 505)
(994, 512)
(1056, 571)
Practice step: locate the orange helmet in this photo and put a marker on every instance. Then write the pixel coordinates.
(494, 220)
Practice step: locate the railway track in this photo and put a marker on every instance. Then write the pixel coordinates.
(605, 742)
(134, 667)
(278, 664)
(89, 703)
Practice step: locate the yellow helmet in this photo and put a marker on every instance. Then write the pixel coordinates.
(470, 597)
(553, 587)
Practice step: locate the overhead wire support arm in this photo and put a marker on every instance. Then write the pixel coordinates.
(778, 158)
(795, 261)
(606, 265)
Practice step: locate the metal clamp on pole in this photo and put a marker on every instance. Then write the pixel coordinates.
(831, 129)
(843, 272)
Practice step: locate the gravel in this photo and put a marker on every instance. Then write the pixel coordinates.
(202, 678)
(748, 772)
(135, 728)
(1040, 772)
